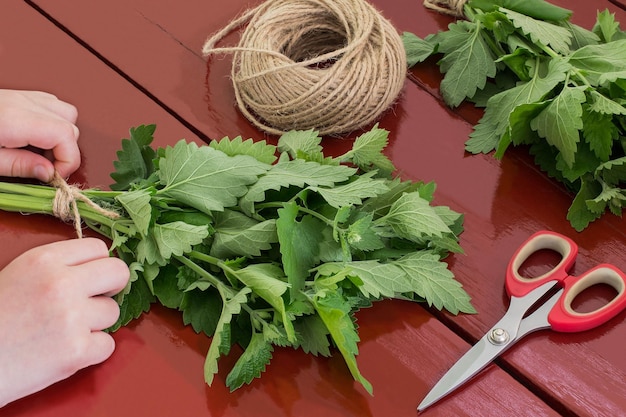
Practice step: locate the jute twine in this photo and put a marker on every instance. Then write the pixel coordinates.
(450, 7)
(328, 65)
(65, 206)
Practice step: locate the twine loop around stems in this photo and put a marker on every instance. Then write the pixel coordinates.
(65, 206)
(329, 65)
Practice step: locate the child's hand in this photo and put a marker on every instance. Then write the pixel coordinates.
(54, 303)
(41, 121)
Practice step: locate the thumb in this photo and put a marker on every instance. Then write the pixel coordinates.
(25, 164)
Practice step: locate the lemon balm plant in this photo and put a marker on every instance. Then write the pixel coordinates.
(262, 245)
(545, 83)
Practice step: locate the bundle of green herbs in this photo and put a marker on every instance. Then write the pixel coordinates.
(545, 83)
(262, 245)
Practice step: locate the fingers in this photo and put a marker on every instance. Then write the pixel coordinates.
(101, 313)
(96, 272)
(55, 134)
(25, 164)
(73, 251)
(101, 347)
(41, 120)
(52, 103)
(105, 276)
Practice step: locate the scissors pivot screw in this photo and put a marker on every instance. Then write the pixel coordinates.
(498, 336)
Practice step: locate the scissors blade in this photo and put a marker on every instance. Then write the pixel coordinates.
(485, 351)
(472, 362)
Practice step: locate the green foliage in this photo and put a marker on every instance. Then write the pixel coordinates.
(262, 251)
(545, 83)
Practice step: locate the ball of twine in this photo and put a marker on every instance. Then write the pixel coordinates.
(329, 65)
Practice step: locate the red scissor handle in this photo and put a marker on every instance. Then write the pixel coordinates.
(517, 285)
(563, 318)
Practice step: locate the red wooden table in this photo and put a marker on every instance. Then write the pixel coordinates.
(130, 62)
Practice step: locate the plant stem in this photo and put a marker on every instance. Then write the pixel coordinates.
(300, 208)
(205, 274)
(39, 200)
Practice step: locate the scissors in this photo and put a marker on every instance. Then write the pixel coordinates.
(555, 313)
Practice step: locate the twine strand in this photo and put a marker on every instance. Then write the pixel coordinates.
(65, 206)
(329, 65)
(449, 7)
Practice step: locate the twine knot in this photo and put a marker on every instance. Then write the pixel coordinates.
(329, 65)
(450, 7)
(65, 206)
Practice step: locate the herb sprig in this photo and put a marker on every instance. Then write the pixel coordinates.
(263, 250)
(545, 83)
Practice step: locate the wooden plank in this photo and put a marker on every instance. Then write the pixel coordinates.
(157, 367)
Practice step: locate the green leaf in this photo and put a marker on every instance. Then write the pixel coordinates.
(297, 173)
(239, 235)
(260, 150)
(266, 280)
(601, 63)
(230, 307)
(299, 245)
(379, 279)
(362, 236)
(602, 104)
(580, 36)
(494, 123)
(137, 205)
(177, 238)
(519, 126)
(560, 122)
(606, 27)
(431, 279)
(367, 151)
(251, 363)
(306, 141)
(586, 161)
(501, 28)
(605, 198)
(539, 9)
(613, 172)
(354, 192)
(136, 302)
(201, 310)
(542, 32)
(381, 203)
(453, 38)
(467, 67)
(134, 161)
(411, 217)
(205, 178)
(417, 49)
(599, 132)
(335, 313)
(579, 214)
(313, 335)
(166, 287)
